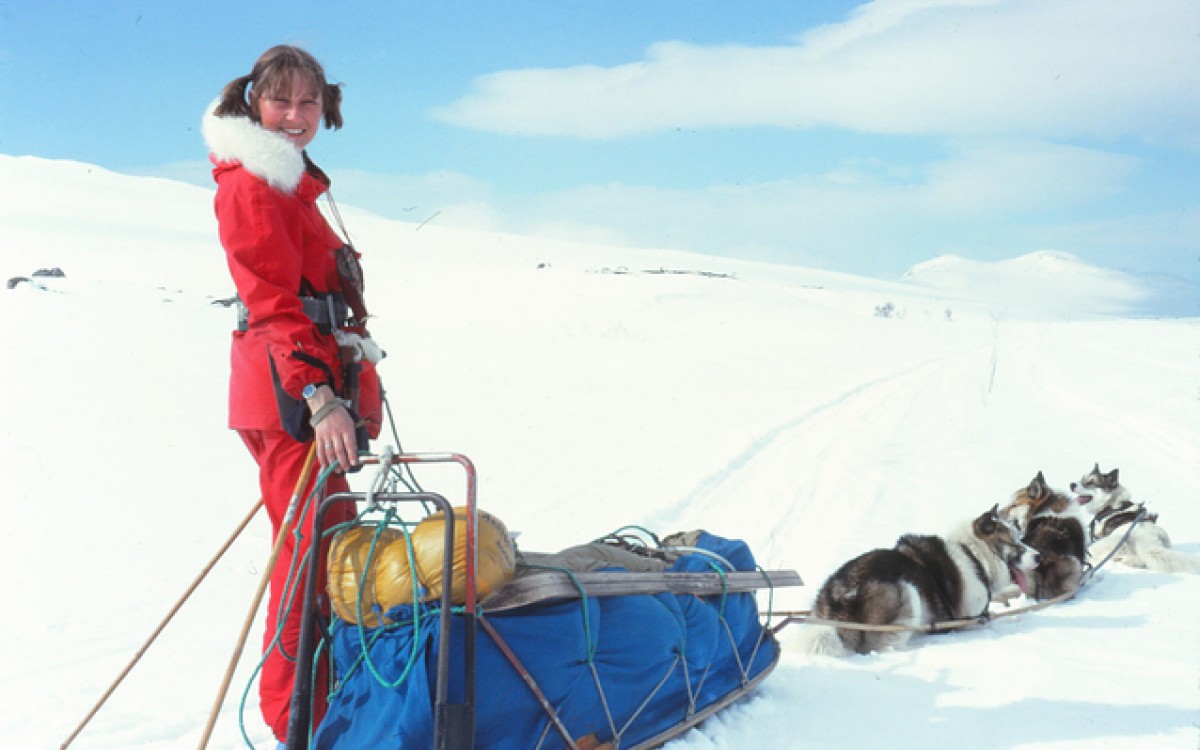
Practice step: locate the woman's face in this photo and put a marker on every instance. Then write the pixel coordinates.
(294, 111)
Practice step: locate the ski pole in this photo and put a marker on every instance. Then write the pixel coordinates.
(162, 625)
(280, 538)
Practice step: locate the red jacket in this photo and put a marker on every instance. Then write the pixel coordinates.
(274, 236)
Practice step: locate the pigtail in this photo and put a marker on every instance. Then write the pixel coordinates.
(273, 70)
(332, 96)
(233, 101)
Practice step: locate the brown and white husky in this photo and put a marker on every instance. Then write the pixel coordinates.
(1054, 524)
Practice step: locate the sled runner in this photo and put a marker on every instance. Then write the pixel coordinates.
(612, 645)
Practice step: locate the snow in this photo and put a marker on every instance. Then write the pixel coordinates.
(761, 402)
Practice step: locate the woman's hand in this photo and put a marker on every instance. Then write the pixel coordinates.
(334, 433)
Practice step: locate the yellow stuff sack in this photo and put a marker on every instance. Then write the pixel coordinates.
(497, 558)
(387, 583)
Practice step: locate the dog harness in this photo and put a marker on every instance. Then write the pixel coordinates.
(1113, 518)
(983, 576)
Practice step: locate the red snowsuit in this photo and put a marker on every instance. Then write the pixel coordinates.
(274, 237)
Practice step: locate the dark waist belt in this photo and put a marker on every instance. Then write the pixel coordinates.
(328, 312)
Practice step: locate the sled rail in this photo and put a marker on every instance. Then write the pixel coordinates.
(713, 709)
(550, 585)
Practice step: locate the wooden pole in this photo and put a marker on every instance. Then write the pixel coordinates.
(162, 625)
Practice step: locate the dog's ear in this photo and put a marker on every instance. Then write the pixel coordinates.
(1037, 488)
(1097, 469)
(1113, 477)
(986, 524)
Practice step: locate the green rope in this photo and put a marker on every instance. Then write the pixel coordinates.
(620, 535)
(711, 558)
(770, 593)
(420, 612)
(583, 599)
(766, 629)
(318, 488)
(365, 656)
(291, 587)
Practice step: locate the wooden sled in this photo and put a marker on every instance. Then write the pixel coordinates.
(525, 598)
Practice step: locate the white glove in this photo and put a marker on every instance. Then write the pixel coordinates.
(364, 346)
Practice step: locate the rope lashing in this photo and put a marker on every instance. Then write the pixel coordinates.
(680, 662)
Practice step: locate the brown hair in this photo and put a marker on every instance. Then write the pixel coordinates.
(272, 73)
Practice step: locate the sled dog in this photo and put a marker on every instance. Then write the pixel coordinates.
(1054, 524)
(921, 581)
(1112, 509)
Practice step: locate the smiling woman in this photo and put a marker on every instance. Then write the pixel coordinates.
(300, 376)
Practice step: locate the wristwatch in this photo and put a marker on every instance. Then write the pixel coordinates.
(310, 390)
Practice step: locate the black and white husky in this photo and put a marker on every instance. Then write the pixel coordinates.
(1113, 510)
(921, 581)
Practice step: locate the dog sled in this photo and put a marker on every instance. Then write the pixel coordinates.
(620, 644)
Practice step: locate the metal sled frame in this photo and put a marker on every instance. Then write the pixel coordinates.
(454, 727)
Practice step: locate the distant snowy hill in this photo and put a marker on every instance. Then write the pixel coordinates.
(83, 204)
(1056, 282)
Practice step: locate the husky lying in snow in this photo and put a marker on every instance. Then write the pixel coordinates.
(1055, 525)
(1112, 509)
(921, 581)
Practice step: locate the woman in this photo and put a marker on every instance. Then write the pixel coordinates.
(294, 278)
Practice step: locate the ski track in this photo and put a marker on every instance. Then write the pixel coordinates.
(853, 401)
(1124, 429)
(784, 471)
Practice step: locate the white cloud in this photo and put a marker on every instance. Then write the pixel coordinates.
(985, 191)
(1100, 68)
(980, 177)
(1003, 177)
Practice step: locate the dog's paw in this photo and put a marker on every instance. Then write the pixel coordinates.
(1005, 596)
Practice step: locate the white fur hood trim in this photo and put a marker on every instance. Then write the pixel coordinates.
(268, 155)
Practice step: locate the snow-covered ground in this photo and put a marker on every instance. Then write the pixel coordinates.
(774, 404)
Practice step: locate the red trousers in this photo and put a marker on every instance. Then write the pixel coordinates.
(280, 460)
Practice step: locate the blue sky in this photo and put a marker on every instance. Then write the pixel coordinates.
(861, 137)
